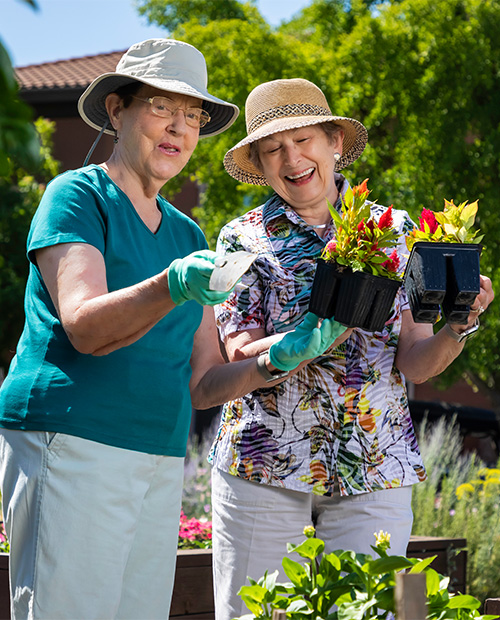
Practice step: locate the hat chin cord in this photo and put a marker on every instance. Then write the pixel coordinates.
(92, 148)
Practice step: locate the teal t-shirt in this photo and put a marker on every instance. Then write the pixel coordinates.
(138, 396)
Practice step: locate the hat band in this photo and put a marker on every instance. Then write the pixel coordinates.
(293, 109)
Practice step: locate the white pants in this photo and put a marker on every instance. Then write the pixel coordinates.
(93, 528)
(252, 524)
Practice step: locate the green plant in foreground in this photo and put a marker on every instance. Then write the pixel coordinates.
(360, 586)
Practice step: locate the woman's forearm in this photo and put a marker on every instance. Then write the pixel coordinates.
(428, 357)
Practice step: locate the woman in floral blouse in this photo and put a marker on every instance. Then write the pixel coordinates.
(333, 442)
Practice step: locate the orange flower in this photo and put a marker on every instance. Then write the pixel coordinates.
(362, 188)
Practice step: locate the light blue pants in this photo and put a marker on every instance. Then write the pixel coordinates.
(252, 524)
(93, 529)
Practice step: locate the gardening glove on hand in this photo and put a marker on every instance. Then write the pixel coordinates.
(189, 278)
(305, 342)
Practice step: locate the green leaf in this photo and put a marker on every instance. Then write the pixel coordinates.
(310, 548)
(463, 601)
(432, 581)
(355, 610)
(390, 563)
(299, 605)
(294, 571)
(422, 564)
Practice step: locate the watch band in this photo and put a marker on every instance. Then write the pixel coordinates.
(465, 335)
(264, 371)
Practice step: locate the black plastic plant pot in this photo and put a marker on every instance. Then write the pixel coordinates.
(442, 276)
(354, 298)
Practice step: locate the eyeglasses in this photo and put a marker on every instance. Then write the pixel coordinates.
(161, 106)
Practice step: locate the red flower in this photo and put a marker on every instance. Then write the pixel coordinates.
(370, 225)
(428, 217)
(392, 263)
(362, 188)
(331, 246)
(386, 219)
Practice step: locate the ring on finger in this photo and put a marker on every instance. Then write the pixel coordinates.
(479, 310)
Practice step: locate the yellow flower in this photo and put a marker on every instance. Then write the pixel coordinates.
(492, 487)
(309, 531)
(489, 473)
(464, 490)
(382, 540)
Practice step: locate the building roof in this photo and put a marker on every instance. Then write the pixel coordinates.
(72, 74)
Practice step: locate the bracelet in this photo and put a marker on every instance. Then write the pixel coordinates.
(267, 374)
(463, 335)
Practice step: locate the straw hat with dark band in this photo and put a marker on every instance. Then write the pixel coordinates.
(288, 104)
(167, 64)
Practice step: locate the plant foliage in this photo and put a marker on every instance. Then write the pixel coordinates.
(20, 193)
(360, 240)
(460, 499)
(349, 586)
(452, 225)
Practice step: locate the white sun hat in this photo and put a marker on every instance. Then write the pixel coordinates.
(167, 64)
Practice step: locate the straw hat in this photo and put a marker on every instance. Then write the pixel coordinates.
(279, 105)
(166, 64)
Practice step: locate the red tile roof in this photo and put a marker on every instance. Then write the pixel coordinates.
(63, 74)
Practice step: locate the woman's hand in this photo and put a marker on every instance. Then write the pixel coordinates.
(480, 305)
(422, 354)
(305, 342)
(189, 278)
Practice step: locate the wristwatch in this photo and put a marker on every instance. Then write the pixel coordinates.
(465, 335)
(269, 375)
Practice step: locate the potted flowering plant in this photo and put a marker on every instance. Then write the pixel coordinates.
(356, 277)
(443, 268)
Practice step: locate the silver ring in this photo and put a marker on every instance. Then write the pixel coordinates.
(479, 310)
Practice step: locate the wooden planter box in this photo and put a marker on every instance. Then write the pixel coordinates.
(193, 588)
(4, 587)
(451, 557)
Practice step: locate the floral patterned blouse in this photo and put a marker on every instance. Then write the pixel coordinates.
(345, 416)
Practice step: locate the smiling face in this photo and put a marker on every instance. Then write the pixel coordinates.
(299, 165)
(152, 148)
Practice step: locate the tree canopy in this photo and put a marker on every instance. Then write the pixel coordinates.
(422, 76)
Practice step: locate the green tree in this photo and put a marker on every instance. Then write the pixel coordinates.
(18, 138)
(175, 13)
(20, 193)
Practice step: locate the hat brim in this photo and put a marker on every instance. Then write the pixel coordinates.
(237, 160)
(92, 106)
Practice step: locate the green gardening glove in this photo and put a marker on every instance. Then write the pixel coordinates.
(189, 278)
(305, 342)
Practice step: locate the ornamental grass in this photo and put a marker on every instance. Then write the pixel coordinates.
(460, 499)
